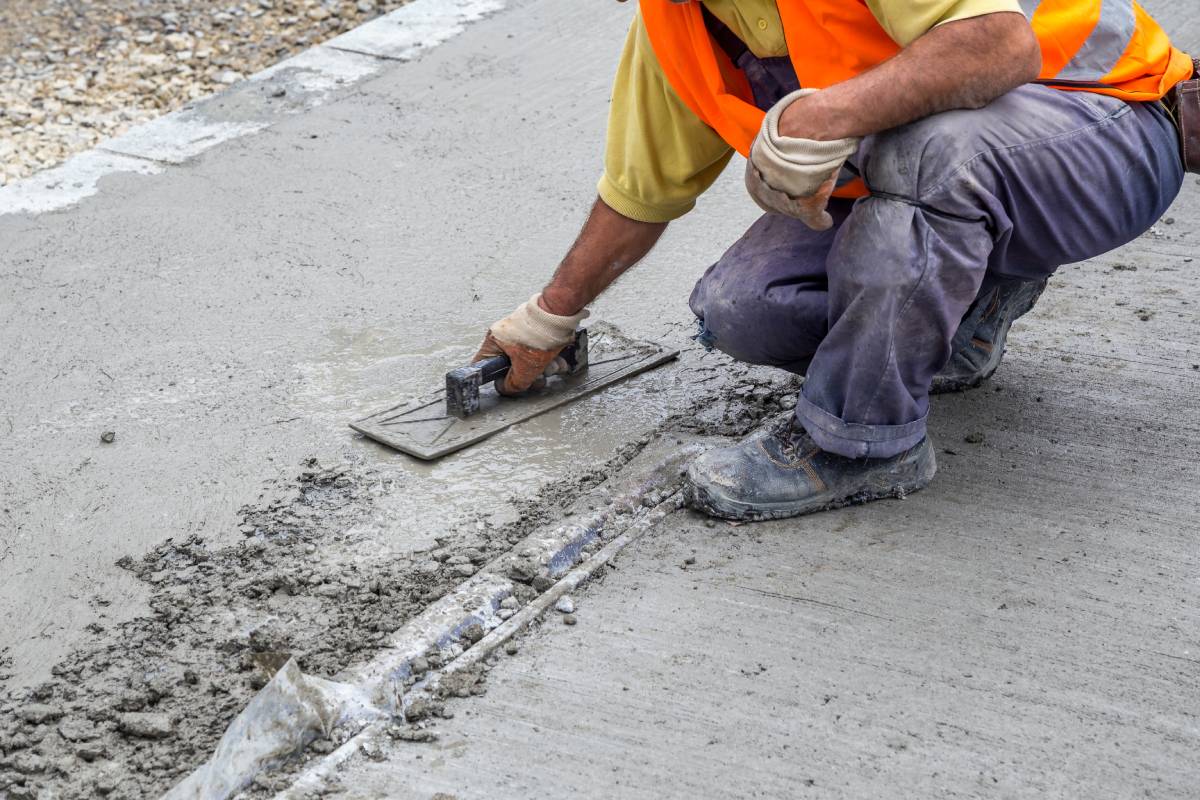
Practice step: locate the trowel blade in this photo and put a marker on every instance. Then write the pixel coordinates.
(422, 428)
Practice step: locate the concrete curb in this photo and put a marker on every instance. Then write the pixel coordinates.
(302, 82)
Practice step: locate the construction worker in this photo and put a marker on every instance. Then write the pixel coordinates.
(925, 165)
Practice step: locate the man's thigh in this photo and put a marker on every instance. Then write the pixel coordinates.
(1055, 176)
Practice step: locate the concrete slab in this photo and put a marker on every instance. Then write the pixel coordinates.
(226, 319)
(1025, 627)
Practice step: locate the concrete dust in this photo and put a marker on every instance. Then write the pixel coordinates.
(132, 713)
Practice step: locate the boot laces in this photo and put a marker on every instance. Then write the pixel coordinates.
(793, 437)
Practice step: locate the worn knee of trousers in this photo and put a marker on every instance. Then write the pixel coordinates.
(724, 315)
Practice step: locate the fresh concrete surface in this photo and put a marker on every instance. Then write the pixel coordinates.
(228, 317)
(1026, 626)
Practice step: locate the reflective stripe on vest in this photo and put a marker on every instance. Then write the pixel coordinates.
(1107, 46)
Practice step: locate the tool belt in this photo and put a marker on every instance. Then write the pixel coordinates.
(1183, 102)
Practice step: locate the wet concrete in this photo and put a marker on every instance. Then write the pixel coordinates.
(1026, 626)
(226, 318)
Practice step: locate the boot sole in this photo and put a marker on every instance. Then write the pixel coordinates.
(714, 505)
(943, 385)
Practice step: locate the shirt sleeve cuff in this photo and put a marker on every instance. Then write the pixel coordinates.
(638, 210)
(969, 9)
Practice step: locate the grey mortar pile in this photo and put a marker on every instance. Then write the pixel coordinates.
(131, 714)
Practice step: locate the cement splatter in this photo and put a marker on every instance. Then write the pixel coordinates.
(130, 715)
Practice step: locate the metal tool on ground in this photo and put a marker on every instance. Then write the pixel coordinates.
(469, 410)
(463, 384)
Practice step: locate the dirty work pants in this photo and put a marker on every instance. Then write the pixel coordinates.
(1037, 179)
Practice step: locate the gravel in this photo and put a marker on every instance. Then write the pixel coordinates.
(76, 72)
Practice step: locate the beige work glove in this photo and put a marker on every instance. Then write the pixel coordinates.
(795, 177)
(532, 338)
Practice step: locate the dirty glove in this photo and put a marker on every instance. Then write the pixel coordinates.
(795, 177)
(532, 338)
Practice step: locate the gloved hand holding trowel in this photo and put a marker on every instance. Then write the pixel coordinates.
(532, 338)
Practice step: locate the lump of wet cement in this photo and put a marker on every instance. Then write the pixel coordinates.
(145, 725)
(74, 730)
(37, 713)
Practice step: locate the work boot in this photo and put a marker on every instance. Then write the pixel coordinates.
(978, 345)
(784, 474)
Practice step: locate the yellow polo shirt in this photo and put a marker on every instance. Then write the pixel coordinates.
(660, 157)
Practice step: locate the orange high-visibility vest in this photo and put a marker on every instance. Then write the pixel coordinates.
(1108, 46)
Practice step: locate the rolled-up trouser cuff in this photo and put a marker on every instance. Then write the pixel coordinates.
(854, 439)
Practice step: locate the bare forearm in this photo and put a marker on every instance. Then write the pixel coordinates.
(608, 244)
(963, 64)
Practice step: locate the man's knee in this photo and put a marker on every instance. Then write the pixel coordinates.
(725, 311)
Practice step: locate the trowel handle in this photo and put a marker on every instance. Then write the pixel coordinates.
(493, 368)
(462, 384)
(575, 355)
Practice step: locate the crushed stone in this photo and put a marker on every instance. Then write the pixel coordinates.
(76, 73)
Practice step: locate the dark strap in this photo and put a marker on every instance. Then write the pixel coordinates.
(734, 47)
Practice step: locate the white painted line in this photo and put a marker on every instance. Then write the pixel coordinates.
(178, 136)
(416, 27)
(69, 182)
(320, 70)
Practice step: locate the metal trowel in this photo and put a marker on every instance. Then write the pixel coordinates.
(469, 409)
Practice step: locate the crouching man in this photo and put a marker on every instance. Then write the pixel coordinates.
(924, 166)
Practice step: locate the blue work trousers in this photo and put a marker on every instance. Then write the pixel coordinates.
(1039, 178)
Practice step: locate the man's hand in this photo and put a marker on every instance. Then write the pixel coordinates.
(809, 210)
(795, 177)
(532, 338)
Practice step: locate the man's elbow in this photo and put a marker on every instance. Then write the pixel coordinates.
(1026, 55)
(1016, 60)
